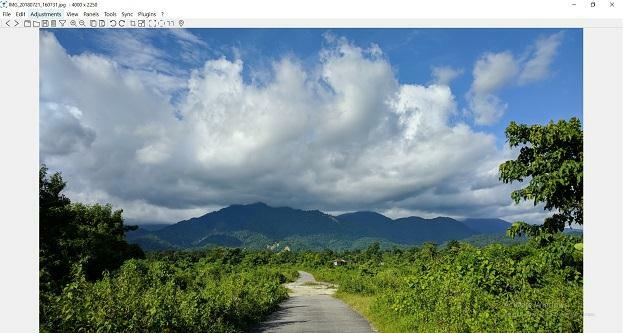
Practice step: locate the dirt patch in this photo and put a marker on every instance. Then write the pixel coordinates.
(307, 285)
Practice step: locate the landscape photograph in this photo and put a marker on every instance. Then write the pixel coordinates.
(311, 180)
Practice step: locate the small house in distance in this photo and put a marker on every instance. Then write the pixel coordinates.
(339, 262)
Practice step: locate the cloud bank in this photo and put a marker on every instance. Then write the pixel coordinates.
(341, 135)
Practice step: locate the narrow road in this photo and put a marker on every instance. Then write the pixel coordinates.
(311, 308)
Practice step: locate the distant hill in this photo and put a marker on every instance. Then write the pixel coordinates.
(259, 226)
(144, 229)
(151, 226)
(481, 240)
(487, 226)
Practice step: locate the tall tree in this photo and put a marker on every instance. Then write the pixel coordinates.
(550, 159)
(70, 233)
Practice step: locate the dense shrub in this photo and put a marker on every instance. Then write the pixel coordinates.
(533, 287)
(161, 296)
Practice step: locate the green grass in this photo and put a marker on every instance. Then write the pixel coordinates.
(382, 321)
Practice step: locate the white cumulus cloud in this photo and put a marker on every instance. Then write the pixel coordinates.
(493, 71)
(445, 74)
(490, 73)
(342, 134)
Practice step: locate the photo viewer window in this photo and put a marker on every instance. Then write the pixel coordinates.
(288, 167)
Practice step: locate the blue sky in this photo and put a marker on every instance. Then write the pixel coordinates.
(401, 121)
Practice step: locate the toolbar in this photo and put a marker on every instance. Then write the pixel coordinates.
(80, 15)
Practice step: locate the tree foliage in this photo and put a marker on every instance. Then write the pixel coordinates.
(70, 233)
(550, 159)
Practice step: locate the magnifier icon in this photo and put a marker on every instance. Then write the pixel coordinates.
(81, 22)
(73, 23)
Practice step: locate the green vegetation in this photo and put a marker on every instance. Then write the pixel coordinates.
(92, 280)
(551, 157)
(216, 291)
(532, 287)
(483, 240)
(72, 233)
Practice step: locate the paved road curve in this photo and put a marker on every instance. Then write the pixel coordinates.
(311, 308)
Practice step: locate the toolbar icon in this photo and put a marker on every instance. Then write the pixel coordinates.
(45, 23)
(62, 22)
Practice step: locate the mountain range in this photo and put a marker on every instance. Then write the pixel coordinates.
(259, 226)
